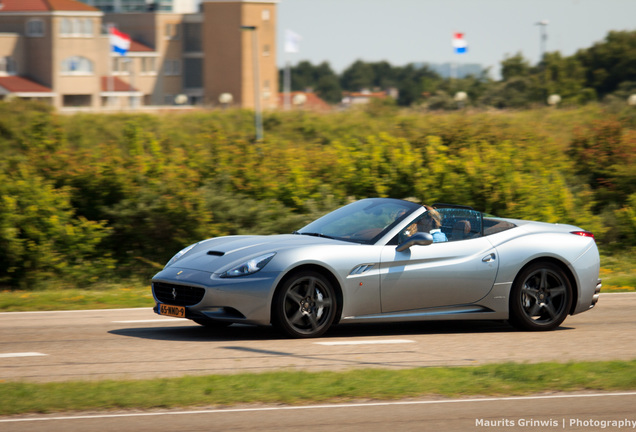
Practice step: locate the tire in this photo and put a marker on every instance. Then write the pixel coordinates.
(540, 298)
(305, 305)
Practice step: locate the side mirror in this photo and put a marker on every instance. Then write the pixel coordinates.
(419, 239)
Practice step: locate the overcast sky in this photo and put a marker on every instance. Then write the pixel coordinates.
(414, 31)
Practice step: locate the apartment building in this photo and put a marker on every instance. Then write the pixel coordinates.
(59, 51)
(178, 6)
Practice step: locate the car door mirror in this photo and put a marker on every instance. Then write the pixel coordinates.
(419, 239)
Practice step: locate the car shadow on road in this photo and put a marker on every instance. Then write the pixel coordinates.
(197, 333)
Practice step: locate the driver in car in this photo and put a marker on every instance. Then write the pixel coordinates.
(429, 222)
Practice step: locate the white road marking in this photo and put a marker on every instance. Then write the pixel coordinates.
(22, 354)
(369, 342)
(313, 407)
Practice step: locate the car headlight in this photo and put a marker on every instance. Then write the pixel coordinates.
(179, 254)
(249, 267)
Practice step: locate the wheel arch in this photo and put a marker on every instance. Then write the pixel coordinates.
(318, 269)
(566, 270)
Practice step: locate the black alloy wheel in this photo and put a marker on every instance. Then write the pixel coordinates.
(305, 306)
(540, 298)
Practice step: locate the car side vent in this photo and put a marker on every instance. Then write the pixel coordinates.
(361, 269)
(216, 253)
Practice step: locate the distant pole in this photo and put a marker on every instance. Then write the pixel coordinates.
(543, 38)
(258, 114)
(542, 47)
(287, 86)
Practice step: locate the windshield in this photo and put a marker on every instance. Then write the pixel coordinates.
(363, 221)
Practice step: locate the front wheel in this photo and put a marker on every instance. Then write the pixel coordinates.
(305, 306)
(540, 298)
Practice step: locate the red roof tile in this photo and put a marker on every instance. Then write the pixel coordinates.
(44, 6)
(70, 5)
(117, 84)
(18, 84)
(312, 100)
(139, 47)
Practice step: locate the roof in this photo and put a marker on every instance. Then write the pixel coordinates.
(44, 6)
(18, 84)
(312, 101)
(366, 94)
(139, 47)
(116, 84)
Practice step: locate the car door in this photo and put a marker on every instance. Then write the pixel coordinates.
(437, 275)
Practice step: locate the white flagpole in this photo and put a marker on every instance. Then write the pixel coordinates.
(287, 86)
(111, 79)
(292, 42)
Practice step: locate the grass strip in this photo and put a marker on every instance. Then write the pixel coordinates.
(291, 387)
(127, 296)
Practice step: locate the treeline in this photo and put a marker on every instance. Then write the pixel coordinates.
(88, 197)
(604, 72)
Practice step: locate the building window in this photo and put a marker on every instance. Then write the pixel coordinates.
(265, 15)
(8, 66)
(35, 28)
(88, 27)
(193, 73)
(66, 27)
(77, 65)
(192, 39)
(266, 50)
(76, 27)
(148, 65)
(121, 66)
(171, 67)
(171, 31)
(77, 100)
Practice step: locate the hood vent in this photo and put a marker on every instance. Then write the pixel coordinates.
(216, 253)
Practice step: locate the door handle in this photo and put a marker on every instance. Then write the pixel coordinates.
(489, 258)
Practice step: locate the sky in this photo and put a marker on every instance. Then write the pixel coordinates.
(420, 31)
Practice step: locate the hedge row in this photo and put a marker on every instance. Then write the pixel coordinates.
(88, 197)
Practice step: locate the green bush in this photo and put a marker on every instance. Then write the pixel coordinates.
(89, 196)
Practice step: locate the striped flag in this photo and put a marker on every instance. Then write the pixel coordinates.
(119, 41)
(459, 43)
(292, 42)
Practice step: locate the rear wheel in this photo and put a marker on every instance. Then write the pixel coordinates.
(305, 306)
(540, 298)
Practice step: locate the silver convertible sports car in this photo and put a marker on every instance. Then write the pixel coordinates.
(386, 260)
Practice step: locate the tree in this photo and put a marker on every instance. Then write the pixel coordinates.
(358, 76)
(515, 66)
(607, 64)
(321, 79)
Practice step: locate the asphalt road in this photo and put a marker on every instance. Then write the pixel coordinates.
(136, 343)
(578, 412)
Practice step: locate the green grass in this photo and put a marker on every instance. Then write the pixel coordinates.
(105, 297)
(302, 387)
(618, 272)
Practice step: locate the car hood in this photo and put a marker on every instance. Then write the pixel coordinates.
(220, 254)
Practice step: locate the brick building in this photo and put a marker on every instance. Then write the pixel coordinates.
(59, 51)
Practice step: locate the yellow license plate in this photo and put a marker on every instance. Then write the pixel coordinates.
(173, 311)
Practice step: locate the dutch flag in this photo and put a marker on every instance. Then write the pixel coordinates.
(459, 43)
(119, 41)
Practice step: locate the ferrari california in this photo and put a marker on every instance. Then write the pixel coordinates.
(386, 260)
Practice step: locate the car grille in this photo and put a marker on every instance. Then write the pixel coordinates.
(178, 295)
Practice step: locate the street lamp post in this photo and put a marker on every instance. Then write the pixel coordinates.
(544, 37)
(542, 46)
(258, 114)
